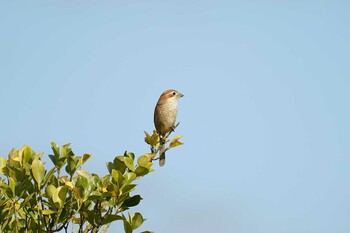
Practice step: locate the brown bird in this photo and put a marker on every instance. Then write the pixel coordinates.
(165, 117)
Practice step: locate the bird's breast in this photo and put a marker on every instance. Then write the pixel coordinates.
(165, 116)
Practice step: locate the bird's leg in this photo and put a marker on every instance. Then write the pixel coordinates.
(162, 140)
(172, 129)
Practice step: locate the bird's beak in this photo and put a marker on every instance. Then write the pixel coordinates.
(181, 95)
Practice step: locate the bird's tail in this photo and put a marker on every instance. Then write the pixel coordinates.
(162, 154)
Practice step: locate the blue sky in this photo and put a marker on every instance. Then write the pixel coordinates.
(265, 117)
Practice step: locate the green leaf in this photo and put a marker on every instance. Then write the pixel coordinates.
(143, 160)
(130, 155)
(127, 225)
(78, 193)
(118, 177)
(26, 155)
(175, 142)
(38, 171)
(115, 190)
(50, 190)
(85, 158)
(13, 154)
(111, 218)
(95, 180)
(72, 164)
(55, 149)
(137, 220)
(141, 171)
(54, 159)
(128, 188)
(19, 192)
(119, 163)
(29, 211)
(129, 177)
(129, 162)
(66, 151)
(14, 159)
(85, 188)
(59, 196)
(12, 185)
(132, 201)
(110, 166)
(28, 186)
(48, 175)
(90, 216)
(61, 162)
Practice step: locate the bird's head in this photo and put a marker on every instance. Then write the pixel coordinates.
(170, 95)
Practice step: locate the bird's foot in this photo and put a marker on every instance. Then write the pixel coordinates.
(162, 140)
(172, 128)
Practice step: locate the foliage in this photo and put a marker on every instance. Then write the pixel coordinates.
(35, 199)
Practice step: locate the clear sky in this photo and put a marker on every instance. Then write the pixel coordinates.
(265, 117)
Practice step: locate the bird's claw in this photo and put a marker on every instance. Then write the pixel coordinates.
(162, 140)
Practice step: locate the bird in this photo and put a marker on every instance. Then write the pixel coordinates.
(165, 114)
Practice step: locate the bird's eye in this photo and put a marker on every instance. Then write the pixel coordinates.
(174, 93)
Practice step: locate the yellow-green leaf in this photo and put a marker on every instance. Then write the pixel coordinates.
(150, 155)
(48, 212)
(69, 184)
(111, 218)
(25, 153)
(175, 142)
(49, 175)
(59, 196)
(78, 193)
(141, 171)
(130, 177)
(118, 177)
(12, 185)
(129, 163)
(3, 163)
(127, 225)
(85, 157)
(143, 161)
(38, 170)
(137, 220)
(154, 138)
(50, 190)
(84, 173)
(147, 137)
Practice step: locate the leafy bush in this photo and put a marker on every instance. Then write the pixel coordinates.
(35, 199)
